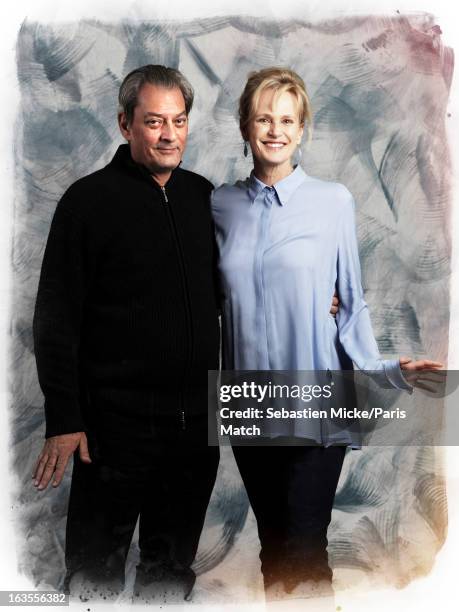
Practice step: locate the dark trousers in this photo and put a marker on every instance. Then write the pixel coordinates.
(146, 466)
(291, 490)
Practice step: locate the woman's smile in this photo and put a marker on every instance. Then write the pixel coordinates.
(274, 132)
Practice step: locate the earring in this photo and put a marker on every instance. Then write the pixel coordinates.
(246, 149)
(298, 154)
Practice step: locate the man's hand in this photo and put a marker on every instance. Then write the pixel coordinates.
(334, 305)
(418, 373)
(55, 455)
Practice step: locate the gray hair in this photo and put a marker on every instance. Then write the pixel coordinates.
(155, 74)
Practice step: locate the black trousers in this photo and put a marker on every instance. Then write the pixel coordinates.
(146, 466)
(291, 490)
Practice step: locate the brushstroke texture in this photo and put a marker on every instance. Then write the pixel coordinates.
(379, 88)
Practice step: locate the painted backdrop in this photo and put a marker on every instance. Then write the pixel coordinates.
(379, 88)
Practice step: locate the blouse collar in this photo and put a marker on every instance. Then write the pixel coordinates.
(283, 188)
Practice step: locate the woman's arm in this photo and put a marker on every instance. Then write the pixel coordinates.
(353, 319)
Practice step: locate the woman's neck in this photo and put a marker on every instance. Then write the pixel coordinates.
(269, 175)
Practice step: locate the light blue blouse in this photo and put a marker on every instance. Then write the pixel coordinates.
(282, 252)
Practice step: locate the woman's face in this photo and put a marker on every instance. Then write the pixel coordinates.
(275, 131)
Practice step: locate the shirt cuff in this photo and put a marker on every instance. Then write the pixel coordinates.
(395, 376)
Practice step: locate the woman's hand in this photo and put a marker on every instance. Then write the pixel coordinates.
(334, 305)
(425, 374)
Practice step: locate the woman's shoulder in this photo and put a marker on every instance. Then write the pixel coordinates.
(332, 188)
(332, 194)
(228, 192)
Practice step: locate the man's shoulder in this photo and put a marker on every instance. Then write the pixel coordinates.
(101, 185)
(89, 181)
(193, 179)
(99, 178)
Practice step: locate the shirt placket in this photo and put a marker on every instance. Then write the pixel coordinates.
(266, 201)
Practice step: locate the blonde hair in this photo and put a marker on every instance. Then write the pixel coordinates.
(280, 80)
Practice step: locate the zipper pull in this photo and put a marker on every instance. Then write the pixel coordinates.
(182, 419)
(163, 189)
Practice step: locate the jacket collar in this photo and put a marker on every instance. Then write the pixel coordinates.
(122, 158)
(283, 188)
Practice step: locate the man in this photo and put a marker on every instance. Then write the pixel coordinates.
(125, 329)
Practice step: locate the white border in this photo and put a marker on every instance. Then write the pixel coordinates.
(438, 588)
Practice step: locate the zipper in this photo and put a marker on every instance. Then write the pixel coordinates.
(186, 293)
(182, 413)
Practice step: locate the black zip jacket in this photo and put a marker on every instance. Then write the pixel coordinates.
(126, 295)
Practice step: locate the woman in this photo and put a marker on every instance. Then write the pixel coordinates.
(286, 241)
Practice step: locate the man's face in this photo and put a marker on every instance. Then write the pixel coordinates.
(158, 132)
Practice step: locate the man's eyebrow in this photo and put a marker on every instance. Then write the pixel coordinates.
(150, 114)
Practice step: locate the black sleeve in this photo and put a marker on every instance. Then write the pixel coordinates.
(57, 320)
(215, 274)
